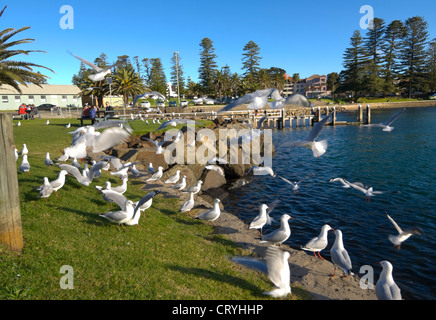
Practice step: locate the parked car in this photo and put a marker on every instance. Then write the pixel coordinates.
(47, 107)
(160, 104)
(209, 101)
(432, 97)
(145, 104)
(183, 103)
(172, 103)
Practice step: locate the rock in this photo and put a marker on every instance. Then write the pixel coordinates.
(212, 179)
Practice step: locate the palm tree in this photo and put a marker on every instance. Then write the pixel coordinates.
(14, 72)
(127, 83)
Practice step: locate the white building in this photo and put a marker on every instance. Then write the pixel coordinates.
(59, 95)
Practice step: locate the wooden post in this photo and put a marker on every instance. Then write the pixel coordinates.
(359, 113)
(368, 114)
(334, 116)
(319, 114)
(10, 213)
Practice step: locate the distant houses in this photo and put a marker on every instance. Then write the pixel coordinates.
(59, 95)
(314, 86)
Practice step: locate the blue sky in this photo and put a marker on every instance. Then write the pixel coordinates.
(304, 37)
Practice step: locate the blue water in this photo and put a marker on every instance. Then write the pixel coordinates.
(403, 160)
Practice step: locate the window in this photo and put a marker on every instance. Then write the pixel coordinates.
(5, 99)
(64, 98)
(43, 98)
(31, 99)
(17, 99)
(75, 98)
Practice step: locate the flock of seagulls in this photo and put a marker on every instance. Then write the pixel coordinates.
(386, 288)
(275, 263)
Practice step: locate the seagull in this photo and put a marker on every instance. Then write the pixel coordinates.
(47, 123)
(135, 172)
(122, 171)
(215, 168)
(16, 154)
(212, 214)
(402, 236)
(345, 183)
(189, 204)
(173, 179)
(24, 150)
(319, 243)
(155, 94)
(114, 161)
(386, 288)
(121, 188)
(145, 202)
(387, 124)
(100, 73)
(48, 162)
(367, 191)
(194, 189)
(157, 175)
(261, 171)
(255, 100)
(339, 255)
(68, 125)
(25, 165)
(87, 180)
(261, 219)
(279, 235)
(97, 141)
(295, 99)
(123, 216)
(150, 168)
(276, 267)
(157, 144)
(296, 184)
(318, 147)
(59, 182)
(46, 189)
(181, 185)
(18, 123)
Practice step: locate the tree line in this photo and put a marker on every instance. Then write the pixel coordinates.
(390, 58)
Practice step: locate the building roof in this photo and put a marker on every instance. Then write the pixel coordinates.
(45, 89)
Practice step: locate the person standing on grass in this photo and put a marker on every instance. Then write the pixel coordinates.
(92, 113)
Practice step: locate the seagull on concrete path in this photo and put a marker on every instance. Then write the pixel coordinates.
(339, 256)
(319, 243)
(212, 214)
(386, 288)
(279, 235)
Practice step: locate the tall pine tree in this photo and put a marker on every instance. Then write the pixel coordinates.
(158, 80)
(373, 44)
(413, 55)
(208, 65)
(431, 66)
(177, 74)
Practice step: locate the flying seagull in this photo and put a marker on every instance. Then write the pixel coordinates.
(402, 235)
(296, 184)
(318, 147)
(276, 267)
(255, 100)
(100, 73)
(387, 124)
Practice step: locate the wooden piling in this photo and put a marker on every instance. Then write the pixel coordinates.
(334, 116)
(359, 113)
(368, 114)
(10, 215)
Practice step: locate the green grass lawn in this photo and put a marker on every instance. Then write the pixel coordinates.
(171, 255)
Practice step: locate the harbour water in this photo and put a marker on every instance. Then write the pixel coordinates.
(403, 160)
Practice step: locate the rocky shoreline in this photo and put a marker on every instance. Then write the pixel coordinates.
(307, 272)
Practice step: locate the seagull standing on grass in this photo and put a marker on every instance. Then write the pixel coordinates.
(25, 165)
(46, 189)
(319, 243)
(23, 151)
(386, 288)
(48, 162)
(189, 204)
(85, 180)
(122, 216)
(58, 183)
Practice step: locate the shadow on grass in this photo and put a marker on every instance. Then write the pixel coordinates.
(222, 277)
(92, 218)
